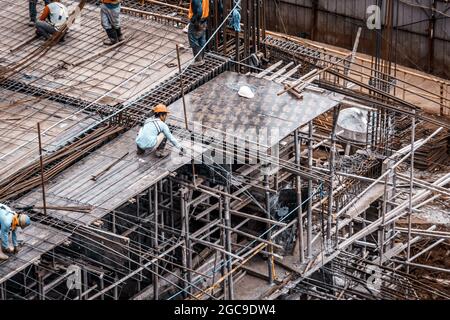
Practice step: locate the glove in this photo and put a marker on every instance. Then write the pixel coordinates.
(16, 249)
(181, 151)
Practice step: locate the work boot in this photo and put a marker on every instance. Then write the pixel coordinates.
(63, 38)
(3, 253)
(199, 62)
(140, 151)
(112, 37)
(119, 34)
(3, 256)
(162, 153)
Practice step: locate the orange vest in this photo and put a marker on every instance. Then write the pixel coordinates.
(15, 222)
(205, 7)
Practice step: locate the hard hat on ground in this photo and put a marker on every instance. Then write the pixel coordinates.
(160, 108)
(246, 92)
(24, 220)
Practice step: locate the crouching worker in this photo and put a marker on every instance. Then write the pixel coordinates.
(155, 133)
(9, 221)
(53, 17)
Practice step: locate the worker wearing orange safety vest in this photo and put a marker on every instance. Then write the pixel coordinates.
(198, 15)
(52, 18)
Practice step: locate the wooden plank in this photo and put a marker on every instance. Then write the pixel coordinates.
(279, 72)
(268, 70)
(287, 74)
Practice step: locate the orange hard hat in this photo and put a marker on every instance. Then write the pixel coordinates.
(160, 108)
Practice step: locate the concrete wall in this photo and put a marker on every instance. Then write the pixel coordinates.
(336, 21)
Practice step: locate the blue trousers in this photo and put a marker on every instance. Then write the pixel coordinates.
(110, 16)
(45, 29)
(197, 38)
(32, 8)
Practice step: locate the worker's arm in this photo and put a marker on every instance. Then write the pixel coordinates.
(197, 9)
(14, 238)
(45, 13)
(165, 129)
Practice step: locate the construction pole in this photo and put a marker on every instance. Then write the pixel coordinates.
(411, 183)
(382, 227)
(187, 258)
(182, 87)
(298, 188)
(162, 214)
(310, 192)
(332, 172)
(270, 262)
(216, 24)
(185, 112)
(222, 243)
(41, 161)
(156, 244)
(258, 25)
(228, 247)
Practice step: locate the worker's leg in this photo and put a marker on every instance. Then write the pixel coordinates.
(160, 141)
(202, 38)
(32, 10)
(197, 40)
(193, 41)
(119, 34)
(107, 24)
(160, 146)
(44, 29)
(115, 21)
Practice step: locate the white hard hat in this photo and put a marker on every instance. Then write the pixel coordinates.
(246, 92)
(24, 220)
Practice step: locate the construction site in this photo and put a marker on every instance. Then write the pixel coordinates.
(330, 180)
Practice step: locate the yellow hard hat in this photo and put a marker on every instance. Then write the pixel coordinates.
(160, 108)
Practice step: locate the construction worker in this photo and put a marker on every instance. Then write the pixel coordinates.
(9, 221)
(52, 18)
(198, 14)
(155, 133)
(110, 17)
(33, 12)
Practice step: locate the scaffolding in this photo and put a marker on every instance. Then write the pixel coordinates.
(271, 199)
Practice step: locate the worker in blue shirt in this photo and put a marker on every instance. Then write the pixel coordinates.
(9, 221)
(154, 134)
(198, 15)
